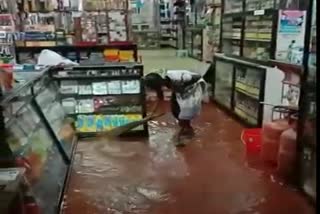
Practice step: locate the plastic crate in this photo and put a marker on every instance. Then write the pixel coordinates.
(251, 138)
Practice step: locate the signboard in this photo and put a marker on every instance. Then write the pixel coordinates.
(290, 36)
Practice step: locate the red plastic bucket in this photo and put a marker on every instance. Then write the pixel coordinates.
(251, 138)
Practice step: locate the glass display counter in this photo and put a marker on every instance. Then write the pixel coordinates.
(28, 111)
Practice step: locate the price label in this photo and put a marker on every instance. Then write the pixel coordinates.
(258, 12)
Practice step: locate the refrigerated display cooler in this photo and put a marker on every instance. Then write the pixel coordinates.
(241, 88)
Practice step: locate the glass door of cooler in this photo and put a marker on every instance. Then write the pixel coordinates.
(247, 93)
(223, 86)
(309, 127)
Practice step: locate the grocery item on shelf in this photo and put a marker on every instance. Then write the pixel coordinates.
(69, 87)
(69, 105)
(99, 88)
(130, 87)
(114, 87)
(117, 26)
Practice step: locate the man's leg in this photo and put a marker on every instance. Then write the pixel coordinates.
(186, 128)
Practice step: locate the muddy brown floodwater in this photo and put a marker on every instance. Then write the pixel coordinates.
(211, 175)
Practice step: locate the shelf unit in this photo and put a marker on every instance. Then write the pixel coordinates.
(239, 87)
(194, 42)
(168, 30)
(103, 97)
(212, 31)
(7, 28)
(146, 39)
(72, 23)
(179, 22)
(257, 30)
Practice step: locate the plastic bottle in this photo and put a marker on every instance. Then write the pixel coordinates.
(287, 152)
(271, 138)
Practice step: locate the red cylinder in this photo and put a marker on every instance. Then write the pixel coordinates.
(287, 152)
(269, 149)
(274, 129)
(271, 133)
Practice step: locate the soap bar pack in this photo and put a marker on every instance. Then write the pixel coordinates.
(85, 89)
(131, 87)
(69, 87)
(114, 87)
(100, 88)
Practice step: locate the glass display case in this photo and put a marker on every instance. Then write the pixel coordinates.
(241, 86)
(27, 111)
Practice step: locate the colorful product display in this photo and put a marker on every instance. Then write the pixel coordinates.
(98, 123)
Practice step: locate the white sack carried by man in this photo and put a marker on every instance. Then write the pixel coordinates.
(51, 58)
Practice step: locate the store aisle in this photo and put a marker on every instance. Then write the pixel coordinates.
(210, 175)
(166, 58)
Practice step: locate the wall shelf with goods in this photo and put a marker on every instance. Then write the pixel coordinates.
(263, 30)
(239, 87)
(194, 42)
(179, 21)
(7, 28)
(144, 24)
(146, 39)
(103, 97)
(93, 23)
(34, 127)
(168, 30)
(268, 34)
(212, 31)
(307, 128)
(231, 34)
